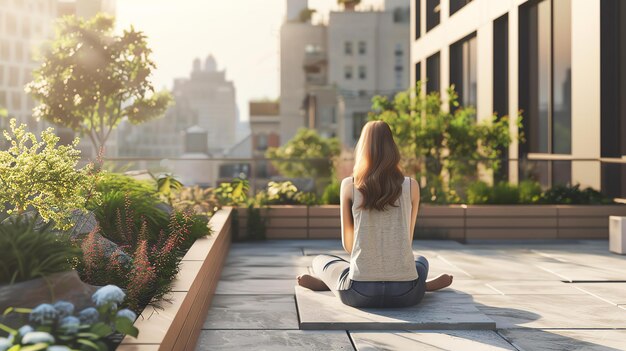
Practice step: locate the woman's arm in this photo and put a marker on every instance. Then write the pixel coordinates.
(345, 207)
(415, 202)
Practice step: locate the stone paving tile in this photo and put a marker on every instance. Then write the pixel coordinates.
(268, 261)
(559, 340)
(534, 287)
(324, 311)
(614, 293)
(550, 311)
(237, 250)
(281, 272)
(497, 264)
(470, 287)
(273, 340)
(453, 340)
(252, 312)
(256, 287)
(582, 272)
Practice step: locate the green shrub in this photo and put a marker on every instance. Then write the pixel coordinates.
(504, 193)
(284, 193)
(27, 252)
(331, 194)
(568, 194)
(196, 200)
(108, 182)
(233, 193)
(529, 192)
(478, 193)
(43, 175)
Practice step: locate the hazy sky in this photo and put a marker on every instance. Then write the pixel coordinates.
(242, 35)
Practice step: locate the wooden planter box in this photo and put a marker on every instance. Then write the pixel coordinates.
(455, 222)
(178, 325)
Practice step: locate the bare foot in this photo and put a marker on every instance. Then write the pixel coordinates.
(442, 281)
(310, 282)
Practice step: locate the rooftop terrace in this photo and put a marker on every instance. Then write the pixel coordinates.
(541, 295)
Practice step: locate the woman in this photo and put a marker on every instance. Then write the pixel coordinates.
(378, 212)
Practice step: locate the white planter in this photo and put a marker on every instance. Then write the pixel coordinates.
(617, 234)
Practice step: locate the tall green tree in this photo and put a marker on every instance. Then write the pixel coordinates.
(443, 146)
(91, 78)
(306, 155)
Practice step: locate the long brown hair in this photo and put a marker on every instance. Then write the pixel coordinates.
(377, 173)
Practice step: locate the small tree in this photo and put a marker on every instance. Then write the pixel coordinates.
(443, 147)
(307, 155)
(42, 175)
(91, 79)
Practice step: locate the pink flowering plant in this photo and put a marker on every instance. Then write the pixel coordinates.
(59, 327)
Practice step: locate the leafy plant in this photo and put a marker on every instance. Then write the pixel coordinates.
(478, 193)
(196, 200)
(332, 193)
(167, 186)
(91, 78)
(43, 175)
(284, 193)
(27, 252)
(306, 155)
(442, 147)
(57, 326)
(568, 194)
(504, 193)
(529, 192)
(233, 193)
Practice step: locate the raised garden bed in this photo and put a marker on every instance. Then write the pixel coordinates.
(177, 326)
(456, 222)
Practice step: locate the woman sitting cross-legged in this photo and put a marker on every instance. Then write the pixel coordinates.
(378, 212)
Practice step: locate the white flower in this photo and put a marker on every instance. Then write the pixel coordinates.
(44, 313)
(70, 324)
(5, 344)
(25, 329)
(58, 348)
(89, 316)
(108, 294)
(64, 309)
(127, 314)
(37, 337)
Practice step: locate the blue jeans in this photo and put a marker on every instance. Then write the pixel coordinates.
(333, 270)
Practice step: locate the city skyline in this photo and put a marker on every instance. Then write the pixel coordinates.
(252, 50)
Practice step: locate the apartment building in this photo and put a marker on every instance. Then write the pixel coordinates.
(24, 26)
(562, 63)
(330, 72)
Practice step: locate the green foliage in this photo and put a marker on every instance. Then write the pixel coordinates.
(91, 78)
(196, 200)
(167, 186)
(567, 194)
(529, 192)
(43, 175)
(284, 193)
(442, 147)
(504, 193)
(233, 193)
(307, 155)
(256, 224)
(59, 326)
(331, 194)
(27, 252)
(478, 193)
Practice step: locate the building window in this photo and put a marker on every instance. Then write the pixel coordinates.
(5, 50)
(456, 5)
(501, 83)
(362, 72)
(358, 121)
(546, 76)
(463, 58)
(261, 142)
(433, 13)
(613, 86)
(418, 19)
(14, 76)
(418, 73)
(347, 48)
(433, 73)
(347, 72)
(362, 48)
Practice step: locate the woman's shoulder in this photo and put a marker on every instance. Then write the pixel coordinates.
(347, 181)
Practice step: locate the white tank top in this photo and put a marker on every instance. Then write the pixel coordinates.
(382, 248)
